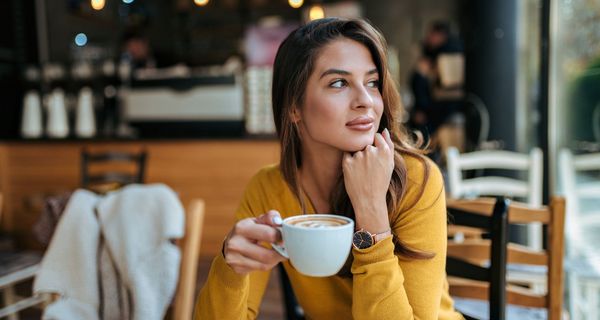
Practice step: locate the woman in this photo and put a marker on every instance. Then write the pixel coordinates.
(342, 151)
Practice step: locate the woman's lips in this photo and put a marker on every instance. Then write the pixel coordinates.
(362, 123)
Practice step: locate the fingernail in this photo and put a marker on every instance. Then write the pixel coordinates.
(277, 220)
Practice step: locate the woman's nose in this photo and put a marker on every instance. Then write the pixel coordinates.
(362, 98)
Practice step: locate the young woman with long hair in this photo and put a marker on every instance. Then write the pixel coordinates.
(343, 151)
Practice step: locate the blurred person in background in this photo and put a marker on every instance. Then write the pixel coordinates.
(136, 50)
(431, 108)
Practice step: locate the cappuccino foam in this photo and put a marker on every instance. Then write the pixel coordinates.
(317, 222)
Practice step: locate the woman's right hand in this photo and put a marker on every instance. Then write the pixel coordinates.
(242, 248)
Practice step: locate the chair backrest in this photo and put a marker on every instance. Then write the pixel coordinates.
(492, 185)
(493, 249)
(114, 167)
(578, 189)
(183, 303)
(459, 263)
(530, 189)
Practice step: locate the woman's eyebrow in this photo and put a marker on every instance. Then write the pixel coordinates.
(372, 71)
(344, 72)
(334, 71)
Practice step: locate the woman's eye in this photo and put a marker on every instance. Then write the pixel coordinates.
(373, 83)
(338, 83)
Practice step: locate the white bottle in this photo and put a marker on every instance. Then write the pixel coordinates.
(58, 126)
(31, 122)
(85, 123)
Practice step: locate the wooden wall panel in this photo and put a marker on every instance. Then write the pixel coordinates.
(4, 218)
(216, 171)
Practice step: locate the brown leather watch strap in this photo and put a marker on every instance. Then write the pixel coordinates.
(380, 236)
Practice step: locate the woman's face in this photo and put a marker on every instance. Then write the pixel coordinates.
(342, 103)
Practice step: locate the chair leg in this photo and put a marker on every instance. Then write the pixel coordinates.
(10, 298)
(292, 308)
(575, 299)
(592, 300)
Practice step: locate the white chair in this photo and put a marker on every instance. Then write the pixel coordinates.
(529, 190)
(582, 191)
(16, 267)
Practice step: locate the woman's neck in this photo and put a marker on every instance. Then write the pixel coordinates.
(321, 169)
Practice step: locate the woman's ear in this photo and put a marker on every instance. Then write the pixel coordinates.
(295, 115)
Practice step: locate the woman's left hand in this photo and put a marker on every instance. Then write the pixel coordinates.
(367, 176)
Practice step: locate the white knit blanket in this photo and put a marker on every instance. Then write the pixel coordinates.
(137, 224)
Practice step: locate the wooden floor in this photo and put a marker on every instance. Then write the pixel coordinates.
(272, 304)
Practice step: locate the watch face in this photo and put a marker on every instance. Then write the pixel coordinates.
(362, 239)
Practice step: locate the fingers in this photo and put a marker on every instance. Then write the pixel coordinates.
(259, 232)
(271, 218)
(255, 230)
(380, 142)
(244, 256)
(347, 157)
(388, 138)
(243, 251)
(262, 254)
(384, 139)
(253, 251)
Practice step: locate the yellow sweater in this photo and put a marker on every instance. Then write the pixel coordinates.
(383, 285)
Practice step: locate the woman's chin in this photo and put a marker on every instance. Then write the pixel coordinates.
(358, 146)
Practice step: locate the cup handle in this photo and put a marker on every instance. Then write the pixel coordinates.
(280, 249)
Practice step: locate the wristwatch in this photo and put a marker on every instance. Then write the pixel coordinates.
(363, 239)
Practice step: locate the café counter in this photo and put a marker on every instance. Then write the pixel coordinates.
(215, 170)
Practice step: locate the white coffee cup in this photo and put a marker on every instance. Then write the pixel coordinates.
(316, 244)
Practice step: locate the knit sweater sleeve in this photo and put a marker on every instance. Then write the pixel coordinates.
(387, 285)
(226, 294)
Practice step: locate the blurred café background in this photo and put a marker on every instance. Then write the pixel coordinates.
(186, 83)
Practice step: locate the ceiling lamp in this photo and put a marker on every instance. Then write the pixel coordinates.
(201, 3)
(97, 4)
(296, 3)
(316, 12)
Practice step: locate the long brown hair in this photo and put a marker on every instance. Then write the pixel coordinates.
(294, 64)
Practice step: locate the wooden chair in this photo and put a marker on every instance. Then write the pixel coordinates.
(477, 267)
(183, 303)
(114, 165)
(582, 191)
(460, 264)
(530, 190)
(293, 311)
(182, 306)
